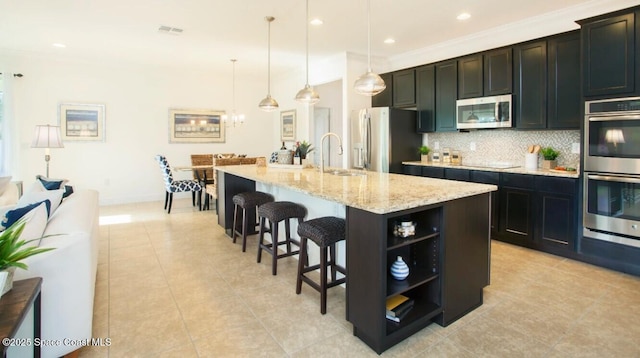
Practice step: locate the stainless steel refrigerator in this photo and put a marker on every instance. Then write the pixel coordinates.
(382, 138)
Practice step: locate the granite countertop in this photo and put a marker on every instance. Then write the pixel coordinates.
(378, 193)
(516, 170)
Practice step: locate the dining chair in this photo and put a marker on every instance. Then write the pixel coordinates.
(204, 176)
(177, 186)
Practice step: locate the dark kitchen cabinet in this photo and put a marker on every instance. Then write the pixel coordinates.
(404, 88)
(448, 267)
(384, 98)
(426, 98)
(483, 177)
(456, 174)
(556, 212)
(564, 99)
(530, 63)
(470, 76)
(412, 170)
(433, 172)
(517, 208)
(610, 51)
(498, 72)
(446, 96)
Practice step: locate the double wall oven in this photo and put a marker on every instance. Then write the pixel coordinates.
(612, 171)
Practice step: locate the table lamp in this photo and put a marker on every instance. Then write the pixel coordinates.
(47, 136)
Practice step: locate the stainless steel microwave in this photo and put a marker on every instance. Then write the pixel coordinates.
(484, 112)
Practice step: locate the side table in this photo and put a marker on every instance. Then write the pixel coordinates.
(14, 306)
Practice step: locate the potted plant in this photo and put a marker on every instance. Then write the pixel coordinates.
(424, 153)
(13, 251)
(549, 155)
(304, 149)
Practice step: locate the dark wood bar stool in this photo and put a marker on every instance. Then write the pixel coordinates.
(276, 212)
(325, 232)
(246, 201)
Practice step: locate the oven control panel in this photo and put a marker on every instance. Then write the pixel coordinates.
(614, 105)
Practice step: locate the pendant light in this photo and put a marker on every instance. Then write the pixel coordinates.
(307, 94)
(369, 84)
(268, 104)
(235, 118)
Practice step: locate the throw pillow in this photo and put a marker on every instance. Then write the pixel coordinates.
(68, 190)
(35, 224)
(4, 183)
(14, 215)
(54, 196)
(51, 184)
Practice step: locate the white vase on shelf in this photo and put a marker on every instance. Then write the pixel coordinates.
(399, 269)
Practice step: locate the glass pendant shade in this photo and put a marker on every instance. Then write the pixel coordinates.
(369, 84)
(307, 95)
(234, 118)
(268, 104)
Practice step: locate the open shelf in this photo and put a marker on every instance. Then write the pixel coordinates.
(421, 311)
(417, 277)
(421, 234)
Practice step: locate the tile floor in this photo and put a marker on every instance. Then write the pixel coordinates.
(175, 286)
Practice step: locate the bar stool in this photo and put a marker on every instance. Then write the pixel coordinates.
(247, 200)
(325, 232)
(275, 212)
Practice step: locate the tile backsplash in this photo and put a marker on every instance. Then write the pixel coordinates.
(506, 145)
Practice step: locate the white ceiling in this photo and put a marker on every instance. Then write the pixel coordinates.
(216, 31)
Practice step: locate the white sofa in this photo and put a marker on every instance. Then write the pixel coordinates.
(68, 272)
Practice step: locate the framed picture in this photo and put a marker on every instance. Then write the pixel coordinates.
(82, 122)
(288, 125)
(195, 126)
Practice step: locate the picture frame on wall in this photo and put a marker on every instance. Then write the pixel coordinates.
(288, 125)
(82, 122)
(196, 126)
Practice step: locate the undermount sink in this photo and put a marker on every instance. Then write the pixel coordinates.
(345, 173)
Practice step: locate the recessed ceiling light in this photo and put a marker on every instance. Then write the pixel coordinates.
(463, 16)
(59, 45)
(389, 41)
(316, 22)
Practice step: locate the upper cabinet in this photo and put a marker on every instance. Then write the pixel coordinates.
(446, 95)
(498, 72)
(384, 98)
(485, 74)
(470, 77)
(404, 88)
(564, 100)
(610, 53)
(547, 83)
(530, 92)
(426, 98)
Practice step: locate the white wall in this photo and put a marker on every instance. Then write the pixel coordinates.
(137, 99)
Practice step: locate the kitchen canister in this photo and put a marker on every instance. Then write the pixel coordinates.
(399, 269)
(531, 161)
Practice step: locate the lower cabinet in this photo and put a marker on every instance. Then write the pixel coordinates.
(557, 213)
(535, 211)
(448, 267)
(539, 212)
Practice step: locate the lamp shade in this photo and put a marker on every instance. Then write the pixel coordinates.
(47, 136)
(369, 84)
(268, 104)
(307, 95)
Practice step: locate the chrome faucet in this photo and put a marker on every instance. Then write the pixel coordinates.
(322, 148)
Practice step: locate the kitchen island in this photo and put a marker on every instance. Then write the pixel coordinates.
(448, 255)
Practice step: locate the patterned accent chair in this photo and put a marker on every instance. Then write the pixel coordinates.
(177, 186)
